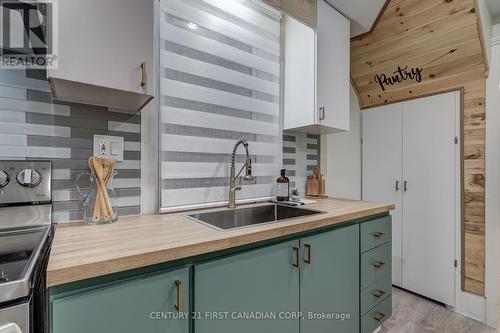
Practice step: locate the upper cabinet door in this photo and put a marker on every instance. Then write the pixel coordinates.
(332, 67)
(103, 43)
(317, 91)
(299, 74)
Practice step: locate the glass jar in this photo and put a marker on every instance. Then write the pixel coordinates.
(87, 188)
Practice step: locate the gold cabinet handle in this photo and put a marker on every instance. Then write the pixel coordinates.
(178, 285)
(379, 316)
(378, 235)
(144, 75)
(379, 293)
(308, 259)
(397, 185)
(379, 264)
(405, 185)
(296, 252)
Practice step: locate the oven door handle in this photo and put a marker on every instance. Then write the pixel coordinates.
(10, 328)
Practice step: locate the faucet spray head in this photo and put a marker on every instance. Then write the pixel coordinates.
(248, 170)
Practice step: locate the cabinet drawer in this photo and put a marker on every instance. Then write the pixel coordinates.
(376, 293)
(375, 233)
(376, 316)
(375, 265)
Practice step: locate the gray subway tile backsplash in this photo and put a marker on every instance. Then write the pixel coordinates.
(63, 133)
(301, 154)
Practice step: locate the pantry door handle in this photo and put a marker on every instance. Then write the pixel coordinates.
(405, 185)
(178, 285)
(296, 252)
(308, 258)
(397, 185)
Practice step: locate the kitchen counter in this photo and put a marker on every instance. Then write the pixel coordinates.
(81, 252)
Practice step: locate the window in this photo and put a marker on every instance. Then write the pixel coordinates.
(219, 81)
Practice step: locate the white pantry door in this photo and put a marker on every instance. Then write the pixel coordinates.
(429, 200)
(382, 169)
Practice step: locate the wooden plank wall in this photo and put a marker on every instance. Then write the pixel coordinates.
(441, 37)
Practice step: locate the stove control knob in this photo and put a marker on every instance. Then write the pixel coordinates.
(29, 178)
(4, 178)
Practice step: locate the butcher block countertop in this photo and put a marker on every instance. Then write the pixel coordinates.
(81, 251)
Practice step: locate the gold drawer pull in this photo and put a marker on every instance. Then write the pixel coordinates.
(379, 293)
(379, 264)
(378, 235)
(379, 316)
(178, 306)
(296, 252)
(308, 259)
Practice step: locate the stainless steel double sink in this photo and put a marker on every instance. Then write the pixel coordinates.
(249, 216)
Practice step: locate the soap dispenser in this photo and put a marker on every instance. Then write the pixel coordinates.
(283, 187)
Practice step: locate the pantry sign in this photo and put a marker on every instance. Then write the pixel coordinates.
(398, 76)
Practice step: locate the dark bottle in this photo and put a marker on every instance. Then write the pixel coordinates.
(282, 187)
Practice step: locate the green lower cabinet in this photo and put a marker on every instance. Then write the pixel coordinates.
(141, 305)
(329, 282)
(326, 282)
(236, 293)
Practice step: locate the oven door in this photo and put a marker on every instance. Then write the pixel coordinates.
(15, 318)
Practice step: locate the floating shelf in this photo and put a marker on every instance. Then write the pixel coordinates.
(85, 93)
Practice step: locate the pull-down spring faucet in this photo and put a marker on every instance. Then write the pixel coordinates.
(232, 177)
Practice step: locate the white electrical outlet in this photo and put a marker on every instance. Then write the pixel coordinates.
(108, 146)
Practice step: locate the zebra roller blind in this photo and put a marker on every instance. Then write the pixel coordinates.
(219, 81)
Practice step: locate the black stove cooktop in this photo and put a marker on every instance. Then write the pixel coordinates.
(16, 251)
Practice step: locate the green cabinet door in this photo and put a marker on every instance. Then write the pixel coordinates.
(329, 283)
(237, 294)
(143, 304)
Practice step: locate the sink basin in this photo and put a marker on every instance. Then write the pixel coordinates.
(245, 217)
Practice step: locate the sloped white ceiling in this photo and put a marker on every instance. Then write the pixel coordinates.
(494, 6)
(362, 13)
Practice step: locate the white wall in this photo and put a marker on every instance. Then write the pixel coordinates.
(341, 157)
(493, 184)
(486, 24)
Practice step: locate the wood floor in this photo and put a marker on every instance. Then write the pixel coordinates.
(414, 314)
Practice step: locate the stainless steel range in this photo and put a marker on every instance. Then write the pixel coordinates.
(25, 237)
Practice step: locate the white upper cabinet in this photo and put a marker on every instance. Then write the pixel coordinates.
(103, 43)
(317, 80)
(299, 74)
(332, 67)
